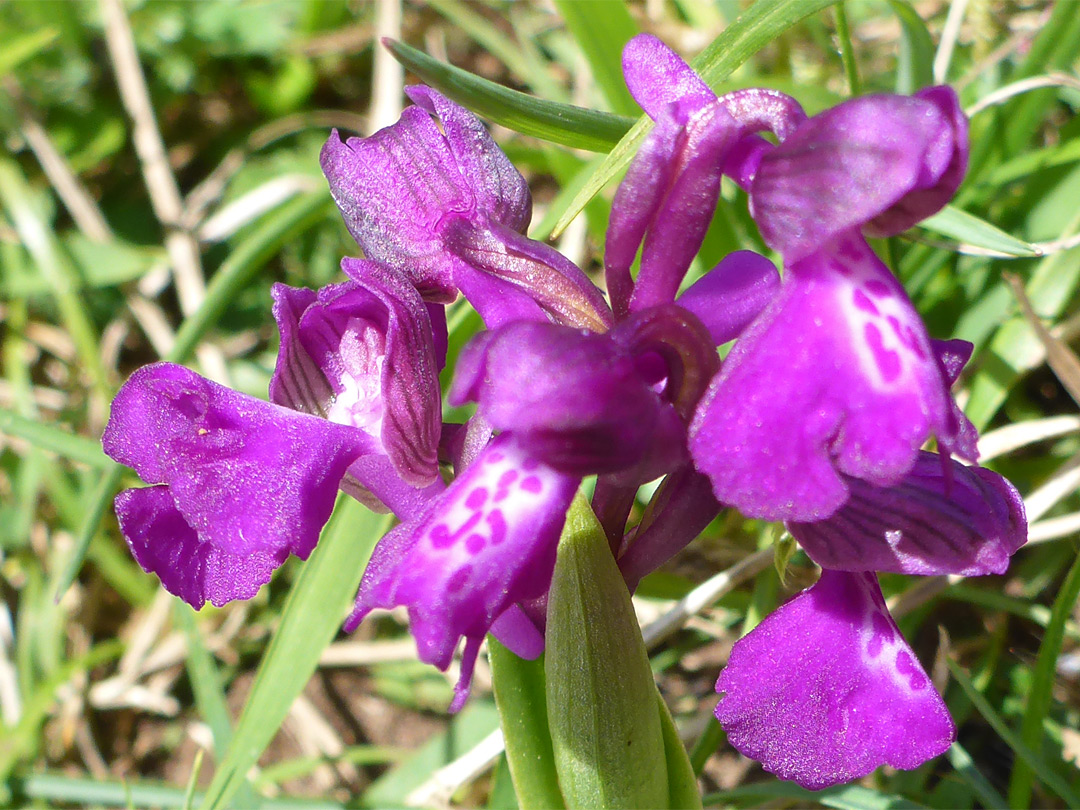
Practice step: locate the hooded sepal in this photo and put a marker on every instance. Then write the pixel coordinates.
(881, 161)
(575, 399)
(362, 353)
(825, 690)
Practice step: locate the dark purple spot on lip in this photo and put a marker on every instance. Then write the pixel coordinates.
(498, 526)
(475, 543)
(507, 478)
(850, 250)
(906, 667)
(530, 464)
(440, 536)
(459, 579)
(878, 288)
(862, 301)
(476, 498)
(839, 267)
(495, 458)
(887, 360)
(883, 631)
(532, 484)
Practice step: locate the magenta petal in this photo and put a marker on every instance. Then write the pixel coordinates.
(249, 477)
(825, 690)
(498, 188)
(657, 76)
(516, 631)
(960, 520)
(393, 189)
(836, 376)
(732, 294)
(163, 543)
(572, 397)
(487, 544)
(637, 201)
(894, 158)
(682, 217)
(557, 285)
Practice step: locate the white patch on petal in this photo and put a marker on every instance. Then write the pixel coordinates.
(884, 330)
(505, 490)
(359, 401)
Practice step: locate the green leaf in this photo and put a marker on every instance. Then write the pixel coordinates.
(758, 26)
(601, 31)
(312, 616)
(915, 62)
(50, 437)
(519, 693)
(250, 256)
(605, 730)
(548, 120)
(683, 790)
(969, 229)
(37, 235)
(19, 49)
(1040, 695)
(1041, 769)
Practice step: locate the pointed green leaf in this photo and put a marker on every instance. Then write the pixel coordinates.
(915, 63)
(519, 693)
(759, 25)
(605, 729)
(683, 790)
(312, 616)
(548, 120)
(53, 438)
(969, 229)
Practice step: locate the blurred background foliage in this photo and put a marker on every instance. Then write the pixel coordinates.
(113, 255)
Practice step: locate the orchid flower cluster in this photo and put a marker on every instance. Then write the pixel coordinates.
(816, 417)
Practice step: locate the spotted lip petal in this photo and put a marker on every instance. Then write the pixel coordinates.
(960, 520)
(825, 690)
(837, 377)
(251, 480)
(485, 546)
(881, 160)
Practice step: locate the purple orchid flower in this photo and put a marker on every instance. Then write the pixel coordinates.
(447, 209)
(837, 378)
(825, 690)
(240, 483)
(467, 563)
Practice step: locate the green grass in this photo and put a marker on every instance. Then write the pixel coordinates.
(75, 324)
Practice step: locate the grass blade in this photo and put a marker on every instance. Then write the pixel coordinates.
(311, 618)
(601, 31)
(1022, 751)
(915, 62)
(49, 437)
(548, 120)
(760, 24)
(969, 229)
(1042, 684)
